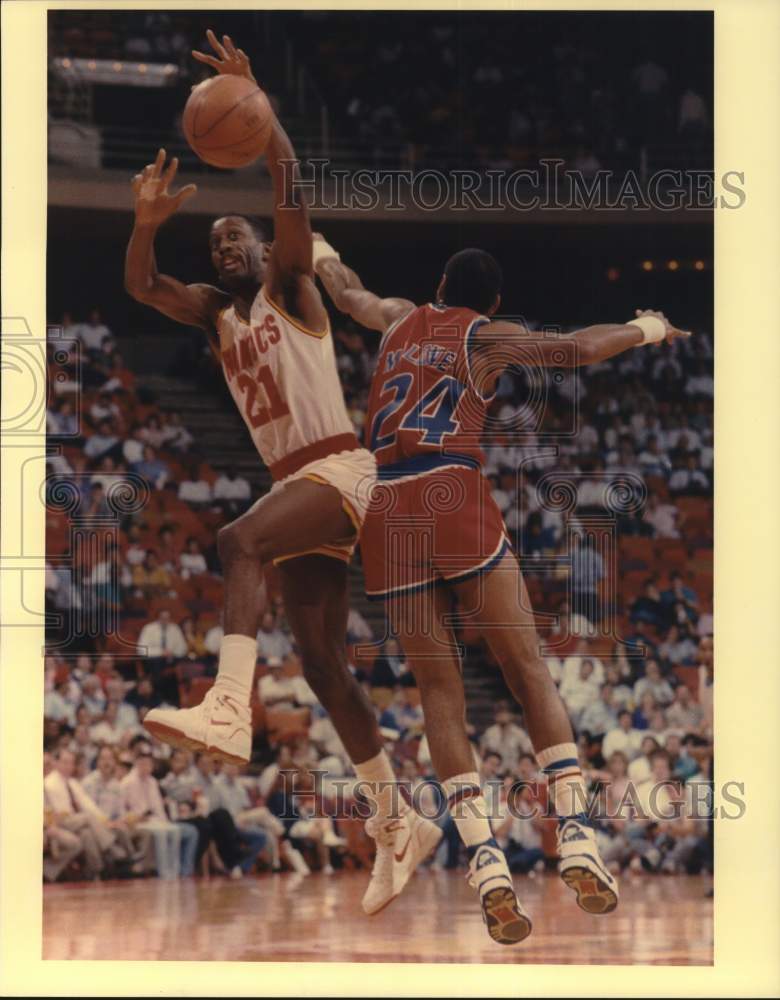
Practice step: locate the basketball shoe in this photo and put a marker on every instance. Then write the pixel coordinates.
(505, 919)
(401, 844)
(220, 725)
(583, 870)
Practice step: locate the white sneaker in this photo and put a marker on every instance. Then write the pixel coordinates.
(583, 870)
(294, 858)
(332, 839)
(220, 725)
(505, 919)
(236, 873)
(327, 869)
(401, 844)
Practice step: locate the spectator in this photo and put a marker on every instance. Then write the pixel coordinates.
(104, 440)
(662, 517)
(94, 333)
(280, 692)
(75, 811)
(654, 684)
(622, 739)
(579, 693)
(150, 577)
(272, 643)
(358, 629)
(506, 738)
(192, 562)
(232, 491)
(684, 713)
(154, 470)
(599, 716)
(193, 488)
(175, 844)
(648, 607)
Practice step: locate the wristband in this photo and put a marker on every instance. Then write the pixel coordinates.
(322, 250)
(653, 329)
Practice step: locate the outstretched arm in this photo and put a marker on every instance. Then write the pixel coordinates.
(289, 278)
(351, 297)
(195, 305)
(592, 343)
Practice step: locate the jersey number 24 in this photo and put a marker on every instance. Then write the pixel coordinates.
(432, 416)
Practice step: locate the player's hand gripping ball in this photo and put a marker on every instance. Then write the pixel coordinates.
(227, 119)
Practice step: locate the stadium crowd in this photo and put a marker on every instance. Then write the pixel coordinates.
(493, 90)
(118, 804)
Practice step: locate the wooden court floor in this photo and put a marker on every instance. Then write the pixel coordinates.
(660, 921)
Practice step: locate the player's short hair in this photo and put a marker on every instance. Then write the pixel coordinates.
(473, 280)
(258, 227)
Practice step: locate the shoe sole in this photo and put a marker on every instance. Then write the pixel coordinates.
(506, 923)
(594, 895)
(428, 842)
(176, 738)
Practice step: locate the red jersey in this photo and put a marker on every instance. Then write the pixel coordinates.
(424, 410)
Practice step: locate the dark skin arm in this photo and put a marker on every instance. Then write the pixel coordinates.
(289, 278)
(351, 297)
(193, 305)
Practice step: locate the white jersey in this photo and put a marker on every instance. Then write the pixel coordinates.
(284, 380)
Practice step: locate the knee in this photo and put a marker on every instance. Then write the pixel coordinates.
(238, 540)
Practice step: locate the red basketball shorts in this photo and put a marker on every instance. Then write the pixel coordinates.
(437, 526)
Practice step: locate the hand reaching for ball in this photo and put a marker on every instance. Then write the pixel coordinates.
(153, 201)
(230, 61)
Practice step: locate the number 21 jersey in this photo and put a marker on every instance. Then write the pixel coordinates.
(285, 383)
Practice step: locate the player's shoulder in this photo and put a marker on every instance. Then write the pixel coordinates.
(213, 300)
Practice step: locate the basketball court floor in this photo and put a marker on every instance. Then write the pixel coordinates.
(660, 921)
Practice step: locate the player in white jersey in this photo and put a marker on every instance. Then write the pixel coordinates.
(267, 324)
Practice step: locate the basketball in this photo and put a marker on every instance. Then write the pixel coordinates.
(227, 121)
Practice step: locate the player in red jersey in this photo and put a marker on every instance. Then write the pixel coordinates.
(434, 536)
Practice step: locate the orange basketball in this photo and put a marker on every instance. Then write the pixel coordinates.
(227, 121)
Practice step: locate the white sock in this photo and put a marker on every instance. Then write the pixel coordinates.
(379, 785)
(567, 790)
(237, 660)
(468, 808)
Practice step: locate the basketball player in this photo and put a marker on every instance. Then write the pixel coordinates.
(436, 374)
(266, 323)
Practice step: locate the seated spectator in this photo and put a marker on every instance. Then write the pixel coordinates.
(684, 713)
(653, 461)
(193, 488)
(648, 607)
(74, 810)
(232, 491)
(678, 646)
(213, 639)
(62, 420)
(643, 711)
(102, 785)
(133, 447)
(174, 434)
(168, 550)
(152, 579)
(622, 694)
(104, 440)
(111, 729)
(654, 684)
(689, 479)
(599, 716)
(94, 333)
(154, 470)
(623, 738)
(56, 705)
(143, 696)
(92, 695)
(577, 693)
(192, 561)
(277, 691)
(193, 636)
(272, 643)
(662, 517)
(152, 432)
(175, 844)
(506, 738)
(161, 638)
(678, 593)
(639, 769)
(83, 746)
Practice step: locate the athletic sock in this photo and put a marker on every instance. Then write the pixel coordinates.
(468, 808)
(379, 786)
(567, 790)
(237, 660)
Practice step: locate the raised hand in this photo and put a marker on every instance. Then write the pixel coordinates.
(229, 59)
(153, 201)
(672, 332)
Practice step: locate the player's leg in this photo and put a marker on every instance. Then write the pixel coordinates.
(315, 593)
(301, 515)
(498, 602)
(419, 618)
